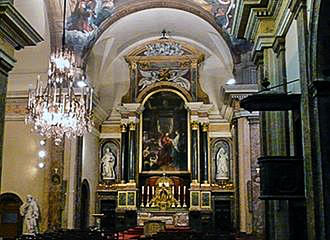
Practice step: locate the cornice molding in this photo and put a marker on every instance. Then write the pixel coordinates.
(6, 63)
(15, 29)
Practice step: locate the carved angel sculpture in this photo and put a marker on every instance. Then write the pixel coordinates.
(175, 76)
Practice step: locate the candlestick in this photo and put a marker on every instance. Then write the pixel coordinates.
(184, 197)
(142, 197)
(179, 198)
(147, 205)
(153, 193)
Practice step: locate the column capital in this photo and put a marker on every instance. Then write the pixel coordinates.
(194, 125)
(123, 127)
(205, 126)
(279, 45)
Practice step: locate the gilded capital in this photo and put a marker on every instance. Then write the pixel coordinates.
(132, 126)
(205, 127)
(194, 125)
(123, 128)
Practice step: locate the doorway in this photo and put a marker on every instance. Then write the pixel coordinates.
(11, 222)
(84, 209)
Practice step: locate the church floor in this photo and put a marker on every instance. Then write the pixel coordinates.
(136, 233)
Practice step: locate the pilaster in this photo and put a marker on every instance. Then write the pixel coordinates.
(15, 34)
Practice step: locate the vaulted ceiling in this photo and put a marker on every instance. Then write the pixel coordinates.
(115, 28)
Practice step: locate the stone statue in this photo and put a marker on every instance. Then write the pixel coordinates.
(30, 212)
(108, 164)
(222, 164)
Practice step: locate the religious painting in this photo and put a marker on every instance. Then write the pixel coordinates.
(86, 16)
(221, 160)
(84, 19)
(222, 10)
(164, 133)
(109, 154)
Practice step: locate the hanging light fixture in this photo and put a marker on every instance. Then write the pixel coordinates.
(64, 106)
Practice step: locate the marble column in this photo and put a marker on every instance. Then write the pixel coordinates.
(78, 159)
(244, 173)
(204, 153)
(70, 169)
(194, 151)
(132, 151)
(315, 119)
(123, 153)
(130, 117)
(258, 208)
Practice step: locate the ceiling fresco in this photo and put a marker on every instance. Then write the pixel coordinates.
(86, 16)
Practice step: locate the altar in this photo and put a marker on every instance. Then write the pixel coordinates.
(170, 218)
(162, 205)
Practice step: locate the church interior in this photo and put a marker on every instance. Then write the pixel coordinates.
(164, 119)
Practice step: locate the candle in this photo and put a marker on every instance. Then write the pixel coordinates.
(184, 190)
(91, 100)
(179, 190)
(148, 190)
(173, 190)
(153, 190)
(142, 190)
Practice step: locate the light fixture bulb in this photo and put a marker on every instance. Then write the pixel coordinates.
(231, 81)
(81, 84)
(42, 142)
(41, 164)
(42, 153)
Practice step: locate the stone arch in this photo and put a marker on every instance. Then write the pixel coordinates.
(11, 224)
(140, 5)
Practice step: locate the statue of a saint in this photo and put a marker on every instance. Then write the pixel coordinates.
(222, 164)
(30, 212)
(107, 164)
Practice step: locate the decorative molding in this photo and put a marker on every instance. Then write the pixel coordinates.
(15, 29)
(6, 63)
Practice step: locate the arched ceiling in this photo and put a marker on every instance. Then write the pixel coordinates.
(201, 23)
(109, 71)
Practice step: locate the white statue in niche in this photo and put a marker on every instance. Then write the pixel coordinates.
(222, 164)
(108, 164)
(30, 212)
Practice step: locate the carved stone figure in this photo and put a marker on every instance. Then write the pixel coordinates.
(30, 212)
(107, 164)
(222, 164)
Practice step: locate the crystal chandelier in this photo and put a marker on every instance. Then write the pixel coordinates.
(60, 108)
(164, 48)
